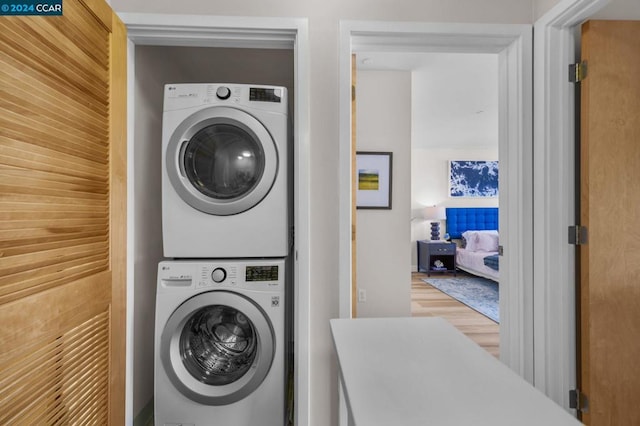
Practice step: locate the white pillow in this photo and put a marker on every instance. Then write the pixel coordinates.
(487, 242)
(471, 239)
(481, 240)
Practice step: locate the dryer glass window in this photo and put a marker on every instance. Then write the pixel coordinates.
(218, 345)
(224, 162)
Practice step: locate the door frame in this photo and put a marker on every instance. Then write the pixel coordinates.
(513, 43)
(555, 47)
(236, 32)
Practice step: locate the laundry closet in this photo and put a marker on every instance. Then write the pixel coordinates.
(156, 66)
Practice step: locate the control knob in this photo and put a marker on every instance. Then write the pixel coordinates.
(223, 92)
(218, 275)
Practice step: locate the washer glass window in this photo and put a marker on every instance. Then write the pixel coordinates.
(218, 345)
(224, 162)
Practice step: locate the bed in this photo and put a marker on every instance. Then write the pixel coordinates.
(476, 232)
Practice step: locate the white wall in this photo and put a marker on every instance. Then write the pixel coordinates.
(455, 101)
(430, 186)
(155, 67)
(147, 221)
(324, 18)
(383, 102)
(540, 7)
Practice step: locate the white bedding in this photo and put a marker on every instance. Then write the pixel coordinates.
(473, 262)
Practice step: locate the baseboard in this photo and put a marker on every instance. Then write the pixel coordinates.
(145, 416)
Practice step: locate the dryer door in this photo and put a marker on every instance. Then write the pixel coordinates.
(217, 347)
(222, 161)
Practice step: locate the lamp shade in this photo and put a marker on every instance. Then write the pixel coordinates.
(434, 213)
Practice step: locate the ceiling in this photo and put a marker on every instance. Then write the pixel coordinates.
(454, 95)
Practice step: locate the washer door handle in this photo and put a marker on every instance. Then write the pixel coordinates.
(183, 147)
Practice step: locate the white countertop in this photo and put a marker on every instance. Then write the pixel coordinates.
(423, 371)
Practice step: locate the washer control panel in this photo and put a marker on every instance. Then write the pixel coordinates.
(253, 274)
(257, 275)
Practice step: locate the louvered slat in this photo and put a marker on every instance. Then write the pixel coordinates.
(45, 52)
(22, 85)
(16, 126)
(22, 61)
(53, 180)
(75, 142)
(61, 378)
(49, 107)
(24, 283)
(47, 161)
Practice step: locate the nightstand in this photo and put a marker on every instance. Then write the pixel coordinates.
(430, 251)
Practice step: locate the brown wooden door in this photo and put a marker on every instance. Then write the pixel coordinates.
(63, 217)
(610, 209)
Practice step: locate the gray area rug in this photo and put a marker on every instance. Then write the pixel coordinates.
(477, 293)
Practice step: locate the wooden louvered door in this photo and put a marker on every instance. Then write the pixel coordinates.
(62, 217)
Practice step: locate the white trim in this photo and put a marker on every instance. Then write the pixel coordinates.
(302, 214)
(516, 221)
(218, 31)
(513, 42)
(344, 173)
(211, 31)
(554, 195)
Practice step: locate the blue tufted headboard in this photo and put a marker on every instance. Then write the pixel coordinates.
(461, 219)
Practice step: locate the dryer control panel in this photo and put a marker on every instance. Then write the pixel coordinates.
(261, 97)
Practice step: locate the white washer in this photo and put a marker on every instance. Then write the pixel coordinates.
(224, 171)
(219, 343)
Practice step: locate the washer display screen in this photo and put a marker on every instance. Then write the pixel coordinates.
(264, 95)
(261, 273)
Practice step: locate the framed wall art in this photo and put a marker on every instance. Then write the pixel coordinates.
(373, 180)
(473, 178)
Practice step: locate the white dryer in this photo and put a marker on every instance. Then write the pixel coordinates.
(219, 343)
(224, 171)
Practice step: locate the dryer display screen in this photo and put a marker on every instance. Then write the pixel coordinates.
(262, 273)
(264, 95)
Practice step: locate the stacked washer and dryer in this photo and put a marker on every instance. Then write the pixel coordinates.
(220, 341)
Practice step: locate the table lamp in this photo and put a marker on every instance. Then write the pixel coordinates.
(435, 215)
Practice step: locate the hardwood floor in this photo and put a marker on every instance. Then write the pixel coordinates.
(426, 301)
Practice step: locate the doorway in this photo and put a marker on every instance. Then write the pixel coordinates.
(423, 107)
(512, 43)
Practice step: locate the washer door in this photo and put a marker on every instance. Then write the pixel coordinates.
(217, 347)
(222, 161)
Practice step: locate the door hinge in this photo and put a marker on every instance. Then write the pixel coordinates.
(500, 251)
(578, 400)
(577, 72)
(353, 93)
(578, 235)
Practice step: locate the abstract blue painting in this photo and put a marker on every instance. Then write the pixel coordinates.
(473, 179)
